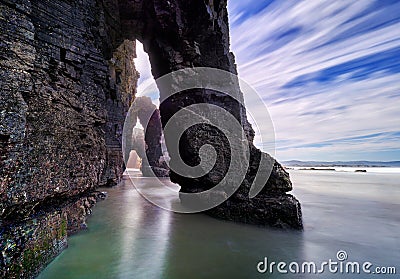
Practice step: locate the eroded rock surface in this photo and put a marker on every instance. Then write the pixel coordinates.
(67, 79)
(148, 145)
(180, 34)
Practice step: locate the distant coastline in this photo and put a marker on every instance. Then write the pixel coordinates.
(355, 164)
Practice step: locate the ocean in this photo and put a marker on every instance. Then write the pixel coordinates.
(350, 218)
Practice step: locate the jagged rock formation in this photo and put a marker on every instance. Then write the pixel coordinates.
(148, 147)
(138, 143)
(67, 80)
(30, 244)
(179, 34)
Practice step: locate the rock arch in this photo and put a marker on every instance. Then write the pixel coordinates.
(147, 144)
(67, 80)
(179, 34)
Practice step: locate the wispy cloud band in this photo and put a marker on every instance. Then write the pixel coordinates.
(328, 71)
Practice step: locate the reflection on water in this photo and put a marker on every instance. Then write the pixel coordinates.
(129, 237)
(143, 232)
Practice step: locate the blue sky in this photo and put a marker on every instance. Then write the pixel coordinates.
(328, 71)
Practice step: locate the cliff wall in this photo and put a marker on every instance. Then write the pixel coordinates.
(67, 79)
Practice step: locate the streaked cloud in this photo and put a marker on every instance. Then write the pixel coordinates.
(328, 71)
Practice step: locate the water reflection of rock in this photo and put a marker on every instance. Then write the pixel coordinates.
(231, 250)
(144, 235)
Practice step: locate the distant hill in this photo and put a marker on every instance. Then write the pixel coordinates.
(296, 163)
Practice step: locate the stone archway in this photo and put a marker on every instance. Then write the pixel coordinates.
(67, 81)
(180, 34)
(147, 143)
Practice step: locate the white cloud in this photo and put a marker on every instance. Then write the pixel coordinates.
(146, 84)
(304, 117)
(319, 112)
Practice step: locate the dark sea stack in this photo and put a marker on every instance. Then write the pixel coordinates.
(67, 80)
(180, 34)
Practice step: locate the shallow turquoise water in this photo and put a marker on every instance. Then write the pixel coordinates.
(130, 238)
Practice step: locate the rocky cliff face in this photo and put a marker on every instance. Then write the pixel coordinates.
(67, 79)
